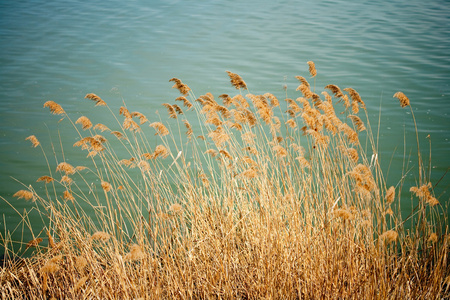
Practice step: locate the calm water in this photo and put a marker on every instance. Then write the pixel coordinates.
(61, 50)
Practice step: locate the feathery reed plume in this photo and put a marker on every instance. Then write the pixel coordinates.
(45, 178)
(327, 97)
(101, 127)
(279, 151)
(303, 82)
(27, 195)
(273, 100)
(312, 68)
(226, 100)
(54, 107)
(130, 162)
(85, 122)
(404, 101)
(211, 152)
(352, 136)
(189, 131)
(178, 109)
(97, 99)
(34, 243)
(250, 173)
(390, 195)
(144, 166)
(249, 161)
(80, 263)
(100, 236)
(204, 180)
(160, 150)
(424, 194)
(34, 141)
(226, 154)
(170, 110)
(49, 268)
(160, 128)
(135, 253)
(355, 97)
(433, 238)
(128, 123)
(185, 102)
(175, 208)
(142, 119)
(355, 107)
(357, 122)
(125, 112)
(335, 90)
(66, 168)
(219, 136)
(291, 123)
(80, 283)
(66, 180)
(389, 236)
(183, 88)
(389, 211)
(304, 163)
(352, 153)
(346, 102)
(119, 135)
(237, 81)
(68, 196)
(342, 213)
(106, 186)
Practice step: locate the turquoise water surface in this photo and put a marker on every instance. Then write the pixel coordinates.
(62, 50)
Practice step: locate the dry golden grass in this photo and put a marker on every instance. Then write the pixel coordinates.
(263, 204)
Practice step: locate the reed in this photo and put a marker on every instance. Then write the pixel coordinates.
(257, 201)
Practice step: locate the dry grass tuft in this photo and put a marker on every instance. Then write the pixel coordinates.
(272, 200)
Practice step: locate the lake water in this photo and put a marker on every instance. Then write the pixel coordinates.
(62, 50)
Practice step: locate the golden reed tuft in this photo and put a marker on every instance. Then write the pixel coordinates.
(54, 107)
(27, 195)
(390, 195)
(404, 101)
(237, 81)
(160, 128)
(34, 141)
(85, 122)
(183, 88)
(100, 236)
(45, 178)
(97, 99)
(312, 68)
(355, 97)
(67, 168)
(389, 236)
(34, 243)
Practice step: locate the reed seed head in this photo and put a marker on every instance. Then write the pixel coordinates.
(34, 243)
(404, 101)
(34, 141)
(183, 88)
(85, 122)
(100, 236)
(27, 195)
(160, 128)
(97, 99)
(312, 68)
(54, 107)
(237, 81)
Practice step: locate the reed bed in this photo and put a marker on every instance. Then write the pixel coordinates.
(231, 196)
